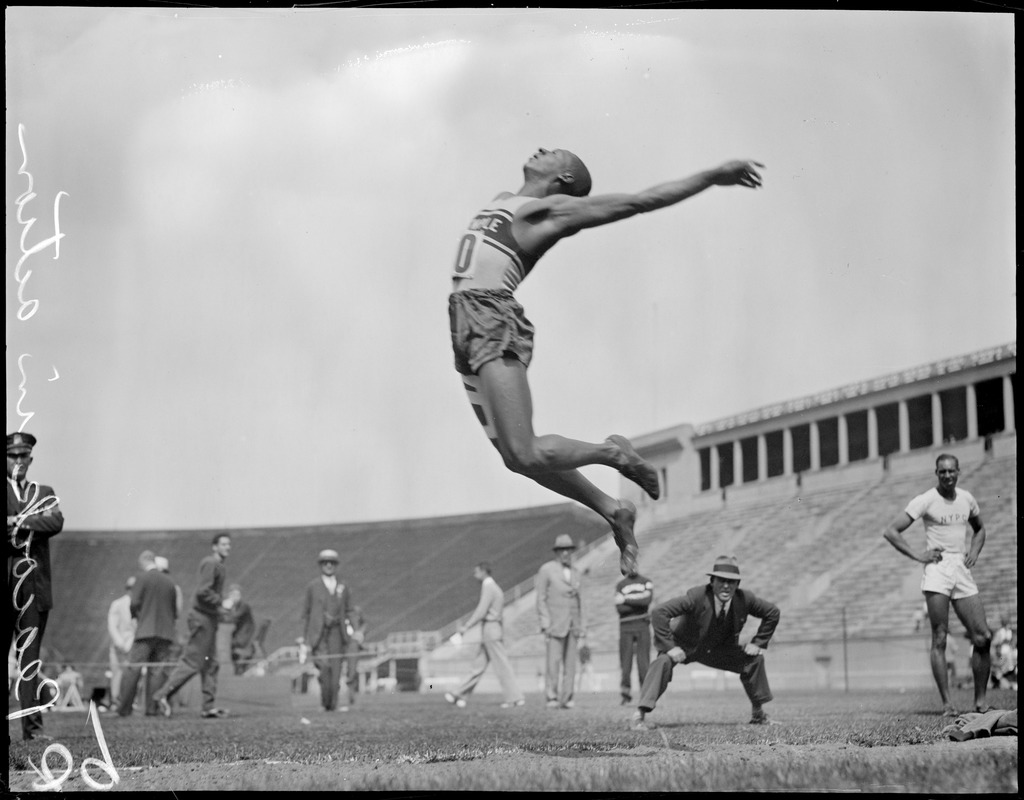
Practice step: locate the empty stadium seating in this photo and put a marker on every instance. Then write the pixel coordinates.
(819, 555)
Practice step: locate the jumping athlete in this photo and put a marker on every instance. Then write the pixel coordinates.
(493, 339)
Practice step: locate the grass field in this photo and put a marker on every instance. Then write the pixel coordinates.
(887, 742)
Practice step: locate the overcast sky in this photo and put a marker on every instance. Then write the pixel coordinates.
(247, 321)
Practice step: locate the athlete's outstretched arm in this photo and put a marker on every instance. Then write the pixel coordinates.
(557, 216)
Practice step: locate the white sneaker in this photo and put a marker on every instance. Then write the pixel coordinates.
(458, 702)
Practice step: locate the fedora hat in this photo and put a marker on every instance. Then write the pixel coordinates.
(726, 567)
(564, 542)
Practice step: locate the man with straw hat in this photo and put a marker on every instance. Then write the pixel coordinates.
(703, 626)
(560, 609)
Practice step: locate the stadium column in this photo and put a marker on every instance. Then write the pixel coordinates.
(713, 466)
(872, 433)
(762, 457)
(972, 413)
(1009, 423)
(844, 440)
(737, 459)
(787, 451)
(815, 447)
(936, 419)
(904, 422)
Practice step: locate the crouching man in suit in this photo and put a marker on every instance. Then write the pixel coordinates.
(704, 625)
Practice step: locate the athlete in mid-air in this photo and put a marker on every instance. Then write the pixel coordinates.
(493, 339)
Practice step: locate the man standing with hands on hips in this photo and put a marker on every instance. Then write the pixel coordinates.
(560, 609)
(954, 536)
(33, 517)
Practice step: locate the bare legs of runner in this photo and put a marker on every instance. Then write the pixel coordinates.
(971, 612)
(553, 461)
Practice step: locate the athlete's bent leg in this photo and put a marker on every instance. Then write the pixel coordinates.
(505, 390)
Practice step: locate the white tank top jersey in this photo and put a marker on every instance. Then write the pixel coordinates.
(488, 256)
(945, 521)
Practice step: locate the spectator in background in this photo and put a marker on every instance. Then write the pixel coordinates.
(954, 537)
(487, 615)
(560, 609)
(200, 654)
(326, 608)
(153, 605)
(704, 625)
(69, 678)
(121, 627)
(164, 565)
(633, 597)
(357, 623)
(33, 518)
(1004, 655)
(238, 614)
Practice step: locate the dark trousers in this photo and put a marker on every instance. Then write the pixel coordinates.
(152, 652)
(31, 619)
(352, 649)
(200, 656)
(729, 657)
(634, 638)
(331, 668)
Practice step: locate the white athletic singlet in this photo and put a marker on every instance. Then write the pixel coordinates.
(488, 255)
(945, 521)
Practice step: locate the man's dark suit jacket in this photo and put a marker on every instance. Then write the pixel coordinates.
(319, 609)
(155, 605)
(686, 620)
(42, 526)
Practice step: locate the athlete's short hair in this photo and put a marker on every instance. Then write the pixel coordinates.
(947, 457)
(581, 182)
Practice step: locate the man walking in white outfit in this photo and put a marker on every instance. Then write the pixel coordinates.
(492, 648)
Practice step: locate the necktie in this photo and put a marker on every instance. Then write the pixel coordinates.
(721, 615)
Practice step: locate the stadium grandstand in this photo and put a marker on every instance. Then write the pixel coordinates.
(799, 491)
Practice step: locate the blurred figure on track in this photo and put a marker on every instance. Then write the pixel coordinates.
(488, 615)
(238, 614)
(704, 626)
(153, 606)
(493, 340)
(200, 654)
(1004, 655)
(560, 608)
(326, 609)
(33, 518)
(121, 628)
(633, 597)
(954, 537)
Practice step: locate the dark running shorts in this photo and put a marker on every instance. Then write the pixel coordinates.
(487, 324)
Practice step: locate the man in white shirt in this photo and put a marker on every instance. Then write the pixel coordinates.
(121, 627)
(492, 648)
(954, 536)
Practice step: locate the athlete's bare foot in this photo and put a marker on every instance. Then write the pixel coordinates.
(635, 468)
(622, 530)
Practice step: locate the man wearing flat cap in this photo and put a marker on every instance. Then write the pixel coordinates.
(33, 517)
(560, 609)
(704, 625)
(326, 629)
